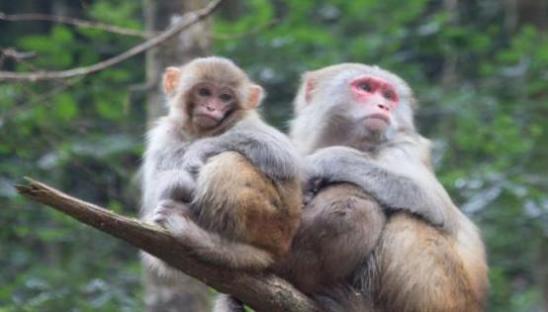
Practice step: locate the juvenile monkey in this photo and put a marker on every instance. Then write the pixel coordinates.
(356, 124)
(215, 175)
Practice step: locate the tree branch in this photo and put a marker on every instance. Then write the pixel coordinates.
(17, 55)
(74, 22)
(187, 21)
(261, 291)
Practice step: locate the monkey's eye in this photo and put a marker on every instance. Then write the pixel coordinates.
(389, 95)
(225, 97)
(204, 92)
(365, 86)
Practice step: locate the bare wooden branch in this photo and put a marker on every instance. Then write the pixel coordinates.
(185, 22)
(80, 23)
(17, 55)
(261, 291)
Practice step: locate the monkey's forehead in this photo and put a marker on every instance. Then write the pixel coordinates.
(341, 73)
(218, 70)
(352, 69)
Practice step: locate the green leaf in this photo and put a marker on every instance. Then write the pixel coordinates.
(65, 108)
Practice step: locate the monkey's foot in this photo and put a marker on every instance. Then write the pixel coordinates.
(167, 209)
(180, 225)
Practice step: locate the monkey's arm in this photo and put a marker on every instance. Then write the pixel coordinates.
(394, 192)
(164, 179)
(162, 173)
(266, 148)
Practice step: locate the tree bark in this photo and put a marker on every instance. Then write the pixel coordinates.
(186, 293)
(543, 271)
(261, 291)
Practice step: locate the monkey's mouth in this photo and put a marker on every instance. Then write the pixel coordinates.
(376, 122)
(207, 120)
(378, 116)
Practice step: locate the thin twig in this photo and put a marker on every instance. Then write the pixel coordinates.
(17, 55)
(80, 23)
(187, 21)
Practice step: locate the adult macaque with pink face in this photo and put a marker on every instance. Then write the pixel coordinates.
(379, 100)
(354, 123)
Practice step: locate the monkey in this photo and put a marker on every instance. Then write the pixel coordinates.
(354, 123)
(215, 175)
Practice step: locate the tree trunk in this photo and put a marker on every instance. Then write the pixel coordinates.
(186, 294)
(543, 271)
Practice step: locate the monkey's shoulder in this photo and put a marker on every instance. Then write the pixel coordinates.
(166, 133)
(410, 148)
(166, 128)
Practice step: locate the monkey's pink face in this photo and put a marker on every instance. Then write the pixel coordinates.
(377, 100)
(211, 104)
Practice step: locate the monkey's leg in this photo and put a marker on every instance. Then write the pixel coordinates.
(237, 200)
(339, 228)
(159, 215)
(420, 269)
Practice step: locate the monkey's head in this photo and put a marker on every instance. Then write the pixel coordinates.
(352, 104)
(209, 93)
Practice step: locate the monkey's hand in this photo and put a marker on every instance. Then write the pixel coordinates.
(166, 209)
(176, 184)
(321, 167)
(198, 153)
(311, 187)
(317, 173)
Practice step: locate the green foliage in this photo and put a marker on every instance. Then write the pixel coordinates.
(76, 135)
(480, 82)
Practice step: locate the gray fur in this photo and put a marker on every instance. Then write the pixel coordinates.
(265, 148)
(173, 166)
(395, 192)
(226, 303)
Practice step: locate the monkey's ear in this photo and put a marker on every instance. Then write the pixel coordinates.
(306, 90)
(309, 88)
(256, 94)
(172, 76)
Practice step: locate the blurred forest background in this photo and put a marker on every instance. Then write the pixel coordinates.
(479, 69)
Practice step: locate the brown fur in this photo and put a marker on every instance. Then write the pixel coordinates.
(339, 228)
(419, 269)
(247, 206)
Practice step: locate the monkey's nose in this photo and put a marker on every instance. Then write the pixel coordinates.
(383, 107)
